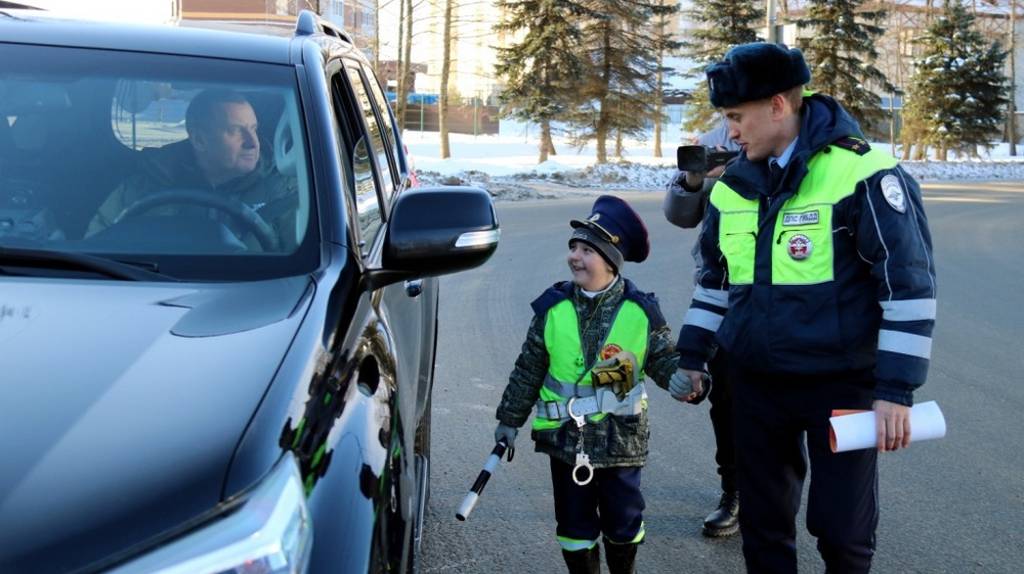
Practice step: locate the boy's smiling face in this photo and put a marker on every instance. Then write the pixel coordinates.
(589, 270)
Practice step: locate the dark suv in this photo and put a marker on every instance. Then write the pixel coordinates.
(217, 313)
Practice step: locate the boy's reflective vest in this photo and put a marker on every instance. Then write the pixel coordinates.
(569, 371)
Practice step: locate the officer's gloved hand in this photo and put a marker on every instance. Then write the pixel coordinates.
(689, 386)
(506, 432)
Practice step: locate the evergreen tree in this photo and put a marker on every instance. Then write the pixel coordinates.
(839, 46)
(722, 24)
(622, 39)
(542, 70)
(958, 92)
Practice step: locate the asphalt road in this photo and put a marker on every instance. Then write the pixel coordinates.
(955, 505)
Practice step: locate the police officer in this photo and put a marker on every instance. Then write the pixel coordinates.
(684, 205)
(817, 277)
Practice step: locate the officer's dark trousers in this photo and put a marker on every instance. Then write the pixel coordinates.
(722, 420)
(772, 414)
(611, 504)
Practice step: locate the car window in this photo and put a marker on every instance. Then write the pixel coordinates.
(387, 119)
(375, 131)
(196, 166)
(367, 200)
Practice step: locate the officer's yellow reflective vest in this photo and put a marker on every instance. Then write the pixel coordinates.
(803, 224)
(567, 367)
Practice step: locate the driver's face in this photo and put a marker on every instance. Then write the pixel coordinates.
(230, 147)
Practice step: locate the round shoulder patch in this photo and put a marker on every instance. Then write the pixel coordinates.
(893, 193)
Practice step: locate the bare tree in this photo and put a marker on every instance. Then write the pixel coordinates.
(376, 37)
(659, 90)
(446, 65)
(400, 90)
(1011, 123)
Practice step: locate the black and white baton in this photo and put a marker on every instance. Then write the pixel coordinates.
(481, 480)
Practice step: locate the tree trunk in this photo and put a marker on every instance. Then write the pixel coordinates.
(407, 59)
(545, 136)
(905, 152)
(603, 121)
(659, 92)
(618, 143)
(376, 38)
(446, 65)
(400, 89)
(1011, 122)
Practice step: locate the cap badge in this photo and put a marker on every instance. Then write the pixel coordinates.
(800, 247)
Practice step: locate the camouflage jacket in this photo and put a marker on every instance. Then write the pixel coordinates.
(615, 440)
(174, 167)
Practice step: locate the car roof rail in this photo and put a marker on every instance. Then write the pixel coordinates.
(309, 23)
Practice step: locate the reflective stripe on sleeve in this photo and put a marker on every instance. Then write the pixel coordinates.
(716, 297)
(703, 319)
(905, 343)
(908, 310)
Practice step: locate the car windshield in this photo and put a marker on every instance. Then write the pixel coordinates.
(195, 168)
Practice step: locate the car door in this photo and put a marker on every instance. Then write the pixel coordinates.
(409, 308)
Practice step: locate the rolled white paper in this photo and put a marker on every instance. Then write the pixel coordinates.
(857, 431)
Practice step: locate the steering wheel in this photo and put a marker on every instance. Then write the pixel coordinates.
(238, 211)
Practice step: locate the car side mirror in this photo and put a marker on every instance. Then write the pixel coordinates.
(437, 230)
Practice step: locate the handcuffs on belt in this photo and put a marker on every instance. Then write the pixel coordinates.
(582, 460)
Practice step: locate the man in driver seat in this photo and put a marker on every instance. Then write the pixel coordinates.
(221, 155)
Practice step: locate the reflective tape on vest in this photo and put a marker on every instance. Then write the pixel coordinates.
(567, 367)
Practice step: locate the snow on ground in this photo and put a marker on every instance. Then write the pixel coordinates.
(506, 165)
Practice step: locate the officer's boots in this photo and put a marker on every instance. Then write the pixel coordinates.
(724, 521)
(621, 557)
(583, 561)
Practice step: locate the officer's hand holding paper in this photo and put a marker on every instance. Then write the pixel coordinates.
(853, 430)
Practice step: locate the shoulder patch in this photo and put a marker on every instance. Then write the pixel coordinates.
(856, 145)
(893, 193)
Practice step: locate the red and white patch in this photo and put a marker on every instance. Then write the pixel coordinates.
(800, 247)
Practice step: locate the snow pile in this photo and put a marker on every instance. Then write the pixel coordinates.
(508, 168)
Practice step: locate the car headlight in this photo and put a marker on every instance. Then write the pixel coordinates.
(269, 533)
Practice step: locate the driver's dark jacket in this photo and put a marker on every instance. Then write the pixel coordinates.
(174, 167)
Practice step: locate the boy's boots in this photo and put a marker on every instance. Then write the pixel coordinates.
(583, 561)
(621, 557)
(724, 521)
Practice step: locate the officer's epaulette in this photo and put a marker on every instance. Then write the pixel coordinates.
(856, 145)
(551, 297)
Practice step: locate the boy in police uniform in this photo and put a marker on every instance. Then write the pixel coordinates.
(817, 278)
(581, 372)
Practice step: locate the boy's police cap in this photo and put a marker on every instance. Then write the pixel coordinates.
(615, 230)
(755, 71)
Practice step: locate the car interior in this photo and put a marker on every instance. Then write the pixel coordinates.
(68, 141)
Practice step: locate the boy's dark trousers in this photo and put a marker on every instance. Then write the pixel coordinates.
(772, 413)
(610, 505)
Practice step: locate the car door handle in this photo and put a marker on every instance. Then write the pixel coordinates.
(413, 287)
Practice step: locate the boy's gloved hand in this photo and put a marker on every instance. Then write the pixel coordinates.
(689, 386)
(506, 432)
